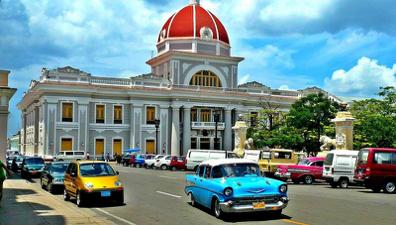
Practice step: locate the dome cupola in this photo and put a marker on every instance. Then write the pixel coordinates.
(193, 24)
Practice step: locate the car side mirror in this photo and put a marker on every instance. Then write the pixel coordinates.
(118, 173)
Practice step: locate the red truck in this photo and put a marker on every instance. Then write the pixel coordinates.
(376, 169)
(307, 170)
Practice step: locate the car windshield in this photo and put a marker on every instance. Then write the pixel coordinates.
(236, 170)
(362, 157)
(329, 159)
(304, 162)
(96, 170)
(34, 161)
(59, 168)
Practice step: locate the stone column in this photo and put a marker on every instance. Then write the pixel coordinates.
(164, 130)
(186, 130)
(136, 128)
(175, 143)
(228, 130)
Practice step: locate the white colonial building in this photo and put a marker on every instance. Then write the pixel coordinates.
(193, 78)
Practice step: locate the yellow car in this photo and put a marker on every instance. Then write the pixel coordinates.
(270, 160)
(88, 181)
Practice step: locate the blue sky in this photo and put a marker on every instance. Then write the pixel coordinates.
(344, 46)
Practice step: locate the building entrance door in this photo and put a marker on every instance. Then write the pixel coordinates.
(117, 146)
(66, 144)
(205, 143)
(150, 147)
(99, 147)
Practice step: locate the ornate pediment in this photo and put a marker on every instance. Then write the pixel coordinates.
(68, 69)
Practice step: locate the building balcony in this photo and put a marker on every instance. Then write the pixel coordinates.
(207, 126)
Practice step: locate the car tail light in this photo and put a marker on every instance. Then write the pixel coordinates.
(367, 171)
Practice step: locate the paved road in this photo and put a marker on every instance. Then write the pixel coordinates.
(157, 197)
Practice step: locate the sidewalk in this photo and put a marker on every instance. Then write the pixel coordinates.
(26, 203)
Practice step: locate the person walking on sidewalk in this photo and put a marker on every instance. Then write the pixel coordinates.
(3, 171)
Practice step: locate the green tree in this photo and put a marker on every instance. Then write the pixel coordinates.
(375, 124)
(310, 115)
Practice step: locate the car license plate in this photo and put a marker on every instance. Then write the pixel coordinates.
(258, 205)
(105, 193)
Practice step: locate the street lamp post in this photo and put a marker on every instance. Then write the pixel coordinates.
(216, 119)
(157, 124)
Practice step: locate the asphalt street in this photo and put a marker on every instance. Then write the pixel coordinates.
(157, 197)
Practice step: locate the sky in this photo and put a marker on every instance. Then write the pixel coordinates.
(346, 47)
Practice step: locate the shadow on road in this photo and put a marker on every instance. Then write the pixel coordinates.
(246, 217)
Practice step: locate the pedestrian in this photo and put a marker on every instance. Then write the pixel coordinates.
(107, 157)
(3, 171)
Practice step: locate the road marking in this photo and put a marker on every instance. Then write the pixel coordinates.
(115, 217)
(165, 193)
(168, 177)
(293, 222)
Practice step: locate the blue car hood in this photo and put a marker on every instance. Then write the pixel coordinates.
(252, 185)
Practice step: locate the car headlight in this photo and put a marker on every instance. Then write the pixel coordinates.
(283, 188)
(118, 184)
(228, 192)
(88, 185)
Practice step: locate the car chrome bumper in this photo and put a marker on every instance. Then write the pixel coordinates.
(229, 207)
(282, 175)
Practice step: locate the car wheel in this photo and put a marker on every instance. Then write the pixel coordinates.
(390, 187)
(173, 168)
(276, 213)
(66, 196)
(308, 179)
(120, 200)
(216, 209)
(79, 199)
(344, 183)
(192, 200)
(164, 167)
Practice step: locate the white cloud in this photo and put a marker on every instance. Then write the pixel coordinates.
(267, 56)
(364, 79)
(244, 79)
(284, 87)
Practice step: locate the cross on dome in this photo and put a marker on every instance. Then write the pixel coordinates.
(194, 2)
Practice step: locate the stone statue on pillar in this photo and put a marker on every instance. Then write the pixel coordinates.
(240, 129)
(344, 128)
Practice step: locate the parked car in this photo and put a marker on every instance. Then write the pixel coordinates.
(88, 181)
(376, 169)
(53, 176)
(195, 157)
(125, 160)
(307, 170)
(149, 163)
(69, 155)
(9, 160)
(177, 163)
(163, 163)
(17, 163)
(32, 167)
(339, 167)
(270, 160)
(233, 186)
(139, 161)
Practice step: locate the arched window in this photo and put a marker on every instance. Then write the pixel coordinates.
(205, 78)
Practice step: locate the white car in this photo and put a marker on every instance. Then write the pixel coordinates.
(163, 163)
(339, 167)
(149, 163)
(196, 156)
(69, 155)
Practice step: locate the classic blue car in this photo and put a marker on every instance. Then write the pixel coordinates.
(235, 185)
(53, 176)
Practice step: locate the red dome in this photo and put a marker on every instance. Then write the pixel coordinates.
(191, 22)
